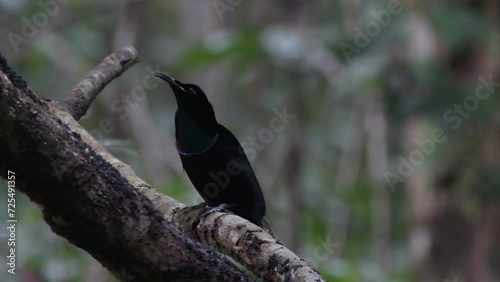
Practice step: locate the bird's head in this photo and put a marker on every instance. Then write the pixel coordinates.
(190, 98)
(196, 125)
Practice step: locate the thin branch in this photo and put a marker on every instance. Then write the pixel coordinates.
(80, 99)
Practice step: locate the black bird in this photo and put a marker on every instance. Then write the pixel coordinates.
(212, 157)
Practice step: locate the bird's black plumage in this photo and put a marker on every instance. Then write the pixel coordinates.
(212, 157)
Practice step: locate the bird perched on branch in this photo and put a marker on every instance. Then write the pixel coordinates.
(212, 157)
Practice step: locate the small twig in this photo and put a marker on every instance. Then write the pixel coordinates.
(79, 100)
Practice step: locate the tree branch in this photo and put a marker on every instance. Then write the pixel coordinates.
(98, 203)
(247, 243)
(79, 100)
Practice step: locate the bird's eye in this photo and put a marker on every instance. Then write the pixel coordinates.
(192, 91)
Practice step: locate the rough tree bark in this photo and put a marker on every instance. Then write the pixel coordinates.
(98, 203)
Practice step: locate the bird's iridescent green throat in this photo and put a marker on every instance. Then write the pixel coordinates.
(191, 139)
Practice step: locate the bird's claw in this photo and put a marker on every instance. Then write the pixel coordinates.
(222, 207)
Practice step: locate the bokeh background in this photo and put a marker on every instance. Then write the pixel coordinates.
(388, 170)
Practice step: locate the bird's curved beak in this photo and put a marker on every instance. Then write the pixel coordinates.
(174, 83)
